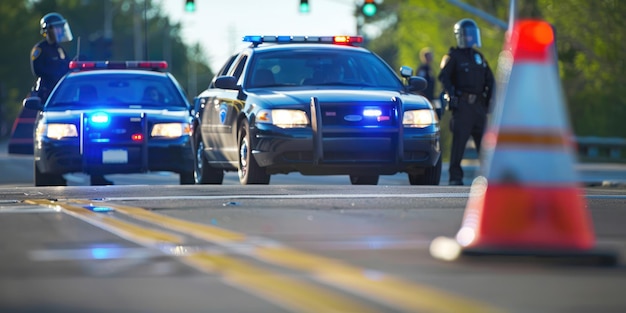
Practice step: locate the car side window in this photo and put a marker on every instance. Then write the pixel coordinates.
(224, 70)
(240, 66)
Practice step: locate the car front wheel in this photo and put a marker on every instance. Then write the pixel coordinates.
(431, 176)
(203, 172)
(43, 179)
(250, 173)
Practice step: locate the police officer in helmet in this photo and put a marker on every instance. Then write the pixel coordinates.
(48, 60)
(468, 83)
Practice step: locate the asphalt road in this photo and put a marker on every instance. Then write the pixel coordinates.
(285, 248)
(293, 246)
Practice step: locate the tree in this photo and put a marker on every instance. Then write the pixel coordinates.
(590, 39)
(19, 29)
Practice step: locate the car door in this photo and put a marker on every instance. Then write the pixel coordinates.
(219, 121)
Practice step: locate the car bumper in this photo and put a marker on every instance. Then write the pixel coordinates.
(339, 153)
(61, 157)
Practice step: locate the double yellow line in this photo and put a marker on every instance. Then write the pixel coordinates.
(295, 295)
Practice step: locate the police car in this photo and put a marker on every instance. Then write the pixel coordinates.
(112, 117)
(317, 106)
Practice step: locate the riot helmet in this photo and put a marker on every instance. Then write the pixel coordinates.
(55, 28)
(467, 34)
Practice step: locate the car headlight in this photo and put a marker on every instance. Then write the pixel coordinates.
(170, 130)
(58, 131)
(283, 118)
(418, 118)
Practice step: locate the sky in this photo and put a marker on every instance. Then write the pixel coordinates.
(219, 25)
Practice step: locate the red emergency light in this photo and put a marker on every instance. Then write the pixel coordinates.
(91, 65)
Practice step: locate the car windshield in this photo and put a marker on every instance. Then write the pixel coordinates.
(123, 90)
(320, 67)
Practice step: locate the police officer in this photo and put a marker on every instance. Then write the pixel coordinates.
(48, 60)
(425, 70)
(468, 83)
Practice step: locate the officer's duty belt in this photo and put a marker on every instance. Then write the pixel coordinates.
(469, 97)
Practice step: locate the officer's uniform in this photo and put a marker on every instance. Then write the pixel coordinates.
(49, 63)
(468, 81)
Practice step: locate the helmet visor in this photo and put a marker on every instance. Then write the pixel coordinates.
(471, 37)
(60, 32)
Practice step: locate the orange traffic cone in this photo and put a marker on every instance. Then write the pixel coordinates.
(528, 203)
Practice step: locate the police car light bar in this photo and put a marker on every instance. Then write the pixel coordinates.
(92, 65)
(341, 40)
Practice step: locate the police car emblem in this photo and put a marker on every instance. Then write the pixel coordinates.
(478, 59)
(222, 114)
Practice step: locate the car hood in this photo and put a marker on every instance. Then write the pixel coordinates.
(291, 97)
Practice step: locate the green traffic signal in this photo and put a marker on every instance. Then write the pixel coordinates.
(369, 9)
(304, 6)
(190, 6)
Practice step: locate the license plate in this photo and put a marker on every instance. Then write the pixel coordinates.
(116, 156)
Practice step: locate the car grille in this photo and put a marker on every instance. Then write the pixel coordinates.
(119, 129)
(353, 114)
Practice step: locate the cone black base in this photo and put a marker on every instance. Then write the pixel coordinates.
(593, 257)
(448, 249)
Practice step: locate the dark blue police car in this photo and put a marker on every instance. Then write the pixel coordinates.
(318, 106)
(113, 117)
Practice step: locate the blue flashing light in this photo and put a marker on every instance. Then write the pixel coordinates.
(341, 40)
(99, 118)
(284, 39)
(372, 112)
(253, 39)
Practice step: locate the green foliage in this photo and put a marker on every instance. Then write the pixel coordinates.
(19, 29)
(590, 40)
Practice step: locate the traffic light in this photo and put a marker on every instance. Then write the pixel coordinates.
(190, 5)
(304, 6)
(369, 8)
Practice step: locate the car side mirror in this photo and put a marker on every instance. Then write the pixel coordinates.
(226, 82)
(33, 103)
(417, 83)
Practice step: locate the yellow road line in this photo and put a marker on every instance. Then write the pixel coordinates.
(121, 228)
(202, 231)
(280, 289)
(393, 291)
(384, 288)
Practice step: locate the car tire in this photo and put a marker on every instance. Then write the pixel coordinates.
(187, 178)
(203, 172)
(364, 180)
(42, 179)
(431, 176)
(250, 173)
